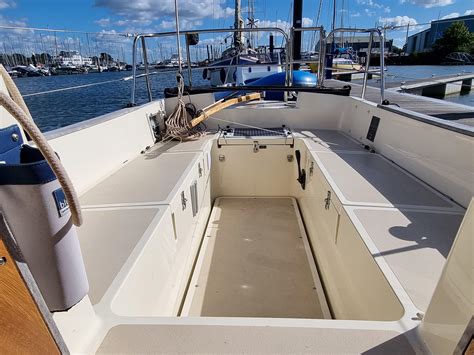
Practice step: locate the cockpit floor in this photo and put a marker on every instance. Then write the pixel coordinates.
(255, 262)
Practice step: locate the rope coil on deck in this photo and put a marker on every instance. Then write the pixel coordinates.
(178, 125)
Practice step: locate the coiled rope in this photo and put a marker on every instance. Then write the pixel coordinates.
(16, 106)
(178, 122)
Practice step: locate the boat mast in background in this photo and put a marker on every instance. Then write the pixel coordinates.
(238, 23)
(297, 20)
(333, 24)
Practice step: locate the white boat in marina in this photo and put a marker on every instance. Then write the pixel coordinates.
(326, 224)
(242, 63)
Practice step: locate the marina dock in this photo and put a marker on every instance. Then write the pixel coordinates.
(445, 110)
(437, 86)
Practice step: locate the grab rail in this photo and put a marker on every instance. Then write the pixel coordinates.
(289, 60)
(143, 36)
(371, 32)
(322, 50)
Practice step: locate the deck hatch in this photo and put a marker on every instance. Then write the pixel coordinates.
(257, 132)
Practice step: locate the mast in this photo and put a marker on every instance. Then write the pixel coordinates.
(342, 24)
(297, 21)
(333, 46)
(251, 22)
(238, 23)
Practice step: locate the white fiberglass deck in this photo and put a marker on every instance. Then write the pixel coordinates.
(255, 262)
(254, 269)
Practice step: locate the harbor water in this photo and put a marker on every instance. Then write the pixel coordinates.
(53, 105)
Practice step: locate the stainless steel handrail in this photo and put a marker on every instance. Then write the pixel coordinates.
(143, 36)
(371, 32)
(289, 60)
(322, 49)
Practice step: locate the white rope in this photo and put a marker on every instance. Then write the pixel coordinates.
(177, 124)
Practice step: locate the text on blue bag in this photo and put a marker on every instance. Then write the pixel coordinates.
(61, 202)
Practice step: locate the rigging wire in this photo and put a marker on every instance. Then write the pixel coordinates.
(63, 31)
(127, 78)
(318, 16)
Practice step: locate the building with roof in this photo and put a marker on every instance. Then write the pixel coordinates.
(358, 43)
(423, 41)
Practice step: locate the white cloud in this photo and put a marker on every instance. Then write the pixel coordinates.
(399, 41)
(307, 22)
(283, 25)
(213, 41)
(184, 24)
(369, 12)
(468, 12)
(429, 3)
(451, 15)
(355, 14)
(397, 21)
(150, 10)
(13, 23)
(5, 4)
(122, 23)
(374, 5)
(103, 22)
(108, 32)
(167, 25)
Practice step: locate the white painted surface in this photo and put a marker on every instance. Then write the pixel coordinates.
(91, 154)
(311, 111)
(442, 158)
(448, 320)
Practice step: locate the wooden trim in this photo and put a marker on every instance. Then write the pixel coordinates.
(22, 326)
(222, 105)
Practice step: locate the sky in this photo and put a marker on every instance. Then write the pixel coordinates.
(133, 16)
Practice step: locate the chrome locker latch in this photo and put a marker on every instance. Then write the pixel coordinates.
(327, 200)
(183, 200)
(256, 147)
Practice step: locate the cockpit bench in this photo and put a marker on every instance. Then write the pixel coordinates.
(155, 200)
(407, 226)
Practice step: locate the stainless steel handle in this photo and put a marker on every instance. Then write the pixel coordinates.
(327, 201)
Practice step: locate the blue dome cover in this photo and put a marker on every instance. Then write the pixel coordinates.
(300, 78)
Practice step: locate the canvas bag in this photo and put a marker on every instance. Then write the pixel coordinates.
(38, 216)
